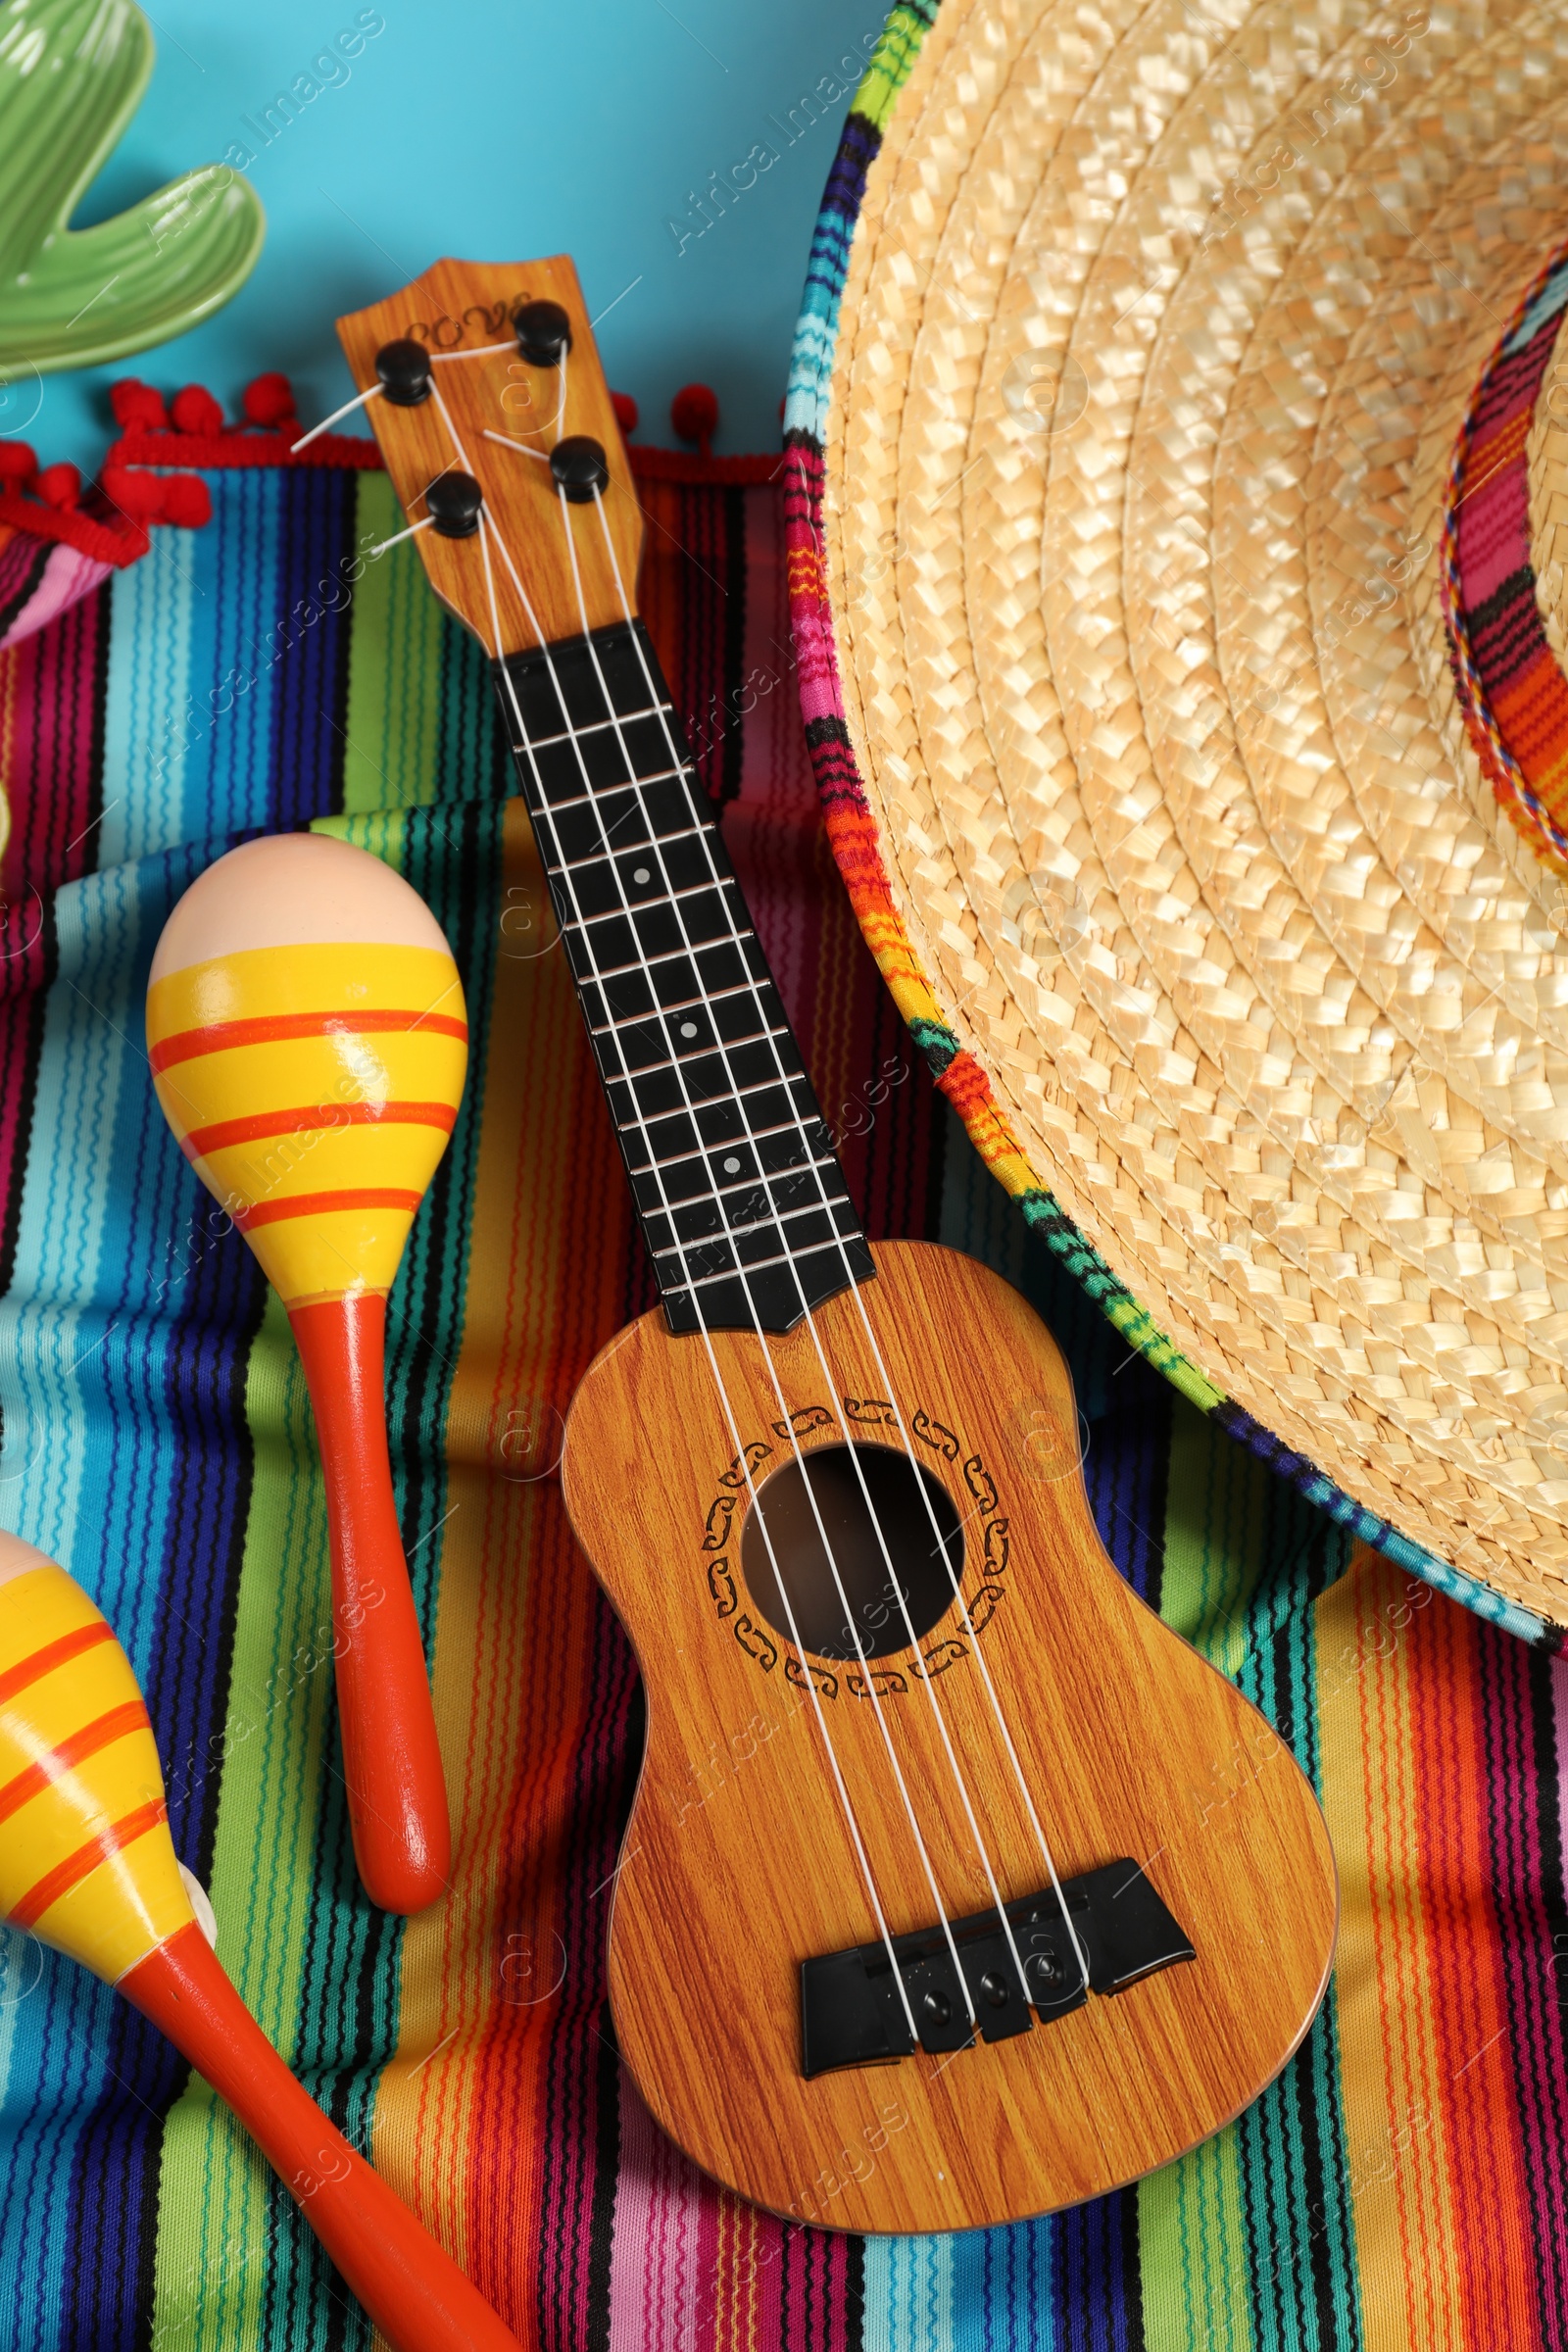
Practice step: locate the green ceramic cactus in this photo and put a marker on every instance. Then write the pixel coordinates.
(71, 75)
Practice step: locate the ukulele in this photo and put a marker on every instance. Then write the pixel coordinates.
(957, 1887)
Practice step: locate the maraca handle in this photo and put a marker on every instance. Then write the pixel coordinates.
(414, 2292)
(391, 1759)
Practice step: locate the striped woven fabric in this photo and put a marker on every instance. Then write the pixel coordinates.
(56, 547)
(1402, 2185)
(1511, 687)
(39, 578)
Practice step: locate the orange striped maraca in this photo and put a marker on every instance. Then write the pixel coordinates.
(88, 1865)
(306, 1029)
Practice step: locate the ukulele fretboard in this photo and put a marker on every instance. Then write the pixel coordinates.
(742, 1204)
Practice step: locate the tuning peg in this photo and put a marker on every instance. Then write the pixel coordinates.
(454, 503)
(544, 333)
(580, 468)
(403, 370)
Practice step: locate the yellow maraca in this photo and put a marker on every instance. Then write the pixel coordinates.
(88, 1865)
(307, 1035)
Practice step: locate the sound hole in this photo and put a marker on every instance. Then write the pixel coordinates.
(899, 1490)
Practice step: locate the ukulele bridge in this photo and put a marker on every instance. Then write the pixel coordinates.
(853, 2013)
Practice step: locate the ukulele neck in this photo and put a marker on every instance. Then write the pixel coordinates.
(738, 1189)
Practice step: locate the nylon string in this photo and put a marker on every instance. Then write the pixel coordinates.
(873, 1693)
(851, 1822)
(812, 1165)
(941, 1549)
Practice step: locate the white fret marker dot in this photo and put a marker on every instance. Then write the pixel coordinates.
(732, 1168)
(640, 874)
(688, 1028)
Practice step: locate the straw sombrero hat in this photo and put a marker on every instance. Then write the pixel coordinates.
(1180, 547)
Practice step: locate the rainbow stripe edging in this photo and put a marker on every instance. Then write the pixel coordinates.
(1511, 684)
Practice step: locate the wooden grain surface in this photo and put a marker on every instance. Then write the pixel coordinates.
(737, 1862)
(467, 306)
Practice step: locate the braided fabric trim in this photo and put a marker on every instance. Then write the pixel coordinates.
(1512, 688)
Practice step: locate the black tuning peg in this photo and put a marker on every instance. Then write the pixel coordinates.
(454, 501)
(544, 333)
(579, 468)
(403, 370)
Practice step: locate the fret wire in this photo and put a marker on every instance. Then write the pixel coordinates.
(753, 1135)
(731, 1233)
(684, 769)
(644, 961)
(645, 964)
(745, 1183)
(636, 849)
(675, 1062)
(683, 1111)
(661, 1012)
(701, 1282)
(634, 783)
(614, 915)
(697, 1052)
(783, 1216)
(595, 726)
(751, 985)
(741, 1184)
(825, 1205)
(661, 706)
(798, 1120)
(597, 792)
(640, 1123)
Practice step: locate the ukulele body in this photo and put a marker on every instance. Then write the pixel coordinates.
(738, 1864)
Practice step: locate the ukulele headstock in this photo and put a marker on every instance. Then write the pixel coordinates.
(470, 373)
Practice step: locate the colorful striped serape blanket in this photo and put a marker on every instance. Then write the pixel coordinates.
(1401, 2186)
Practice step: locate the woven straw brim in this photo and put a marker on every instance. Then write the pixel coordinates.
(1159, 330)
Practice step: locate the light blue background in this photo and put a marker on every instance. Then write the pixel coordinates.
(492, 132)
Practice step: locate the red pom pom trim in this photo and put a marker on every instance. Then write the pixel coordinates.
(268, 398)
(625, 409)
(137, 408)
(139, 497)
(694, 415)
(186, 500)
(195, 410)
(58, 485)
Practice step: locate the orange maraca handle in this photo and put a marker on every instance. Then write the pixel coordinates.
(415, 2293)
(391, 1759)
